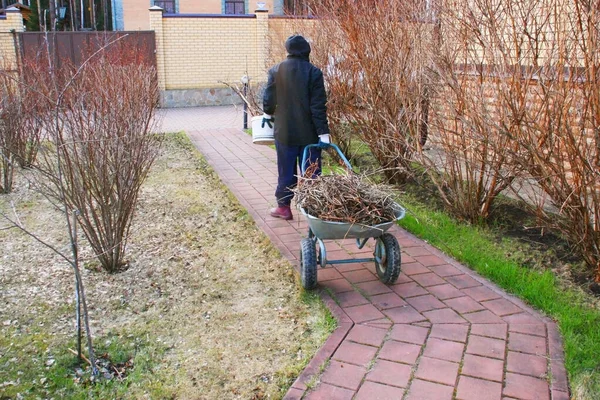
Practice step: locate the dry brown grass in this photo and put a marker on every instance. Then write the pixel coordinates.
(203, 282)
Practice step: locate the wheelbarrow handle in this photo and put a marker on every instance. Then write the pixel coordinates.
(323, 146)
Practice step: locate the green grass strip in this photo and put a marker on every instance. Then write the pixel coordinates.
(475, 247)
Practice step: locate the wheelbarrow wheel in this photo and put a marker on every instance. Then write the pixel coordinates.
(387, 258)
(308, 264)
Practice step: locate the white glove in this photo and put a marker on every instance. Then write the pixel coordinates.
(324, 138)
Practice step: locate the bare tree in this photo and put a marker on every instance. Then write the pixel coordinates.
(376, 59)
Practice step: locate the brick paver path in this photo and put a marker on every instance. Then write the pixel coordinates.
(440, 332)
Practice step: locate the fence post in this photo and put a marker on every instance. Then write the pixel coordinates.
(262, 41)
(156, 24)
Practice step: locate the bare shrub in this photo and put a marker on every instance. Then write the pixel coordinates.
(375, 58)
(471, 159)
(521, 108)
(11, 114)
(102, 149)
(559, 132)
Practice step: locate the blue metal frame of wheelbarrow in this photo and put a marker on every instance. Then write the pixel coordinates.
(360, 242)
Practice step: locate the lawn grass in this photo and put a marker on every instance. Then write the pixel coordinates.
(476, 247)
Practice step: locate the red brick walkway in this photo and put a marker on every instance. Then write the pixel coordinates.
(441, 332)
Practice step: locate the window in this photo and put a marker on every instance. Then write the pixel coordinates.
(167, 5)
(235, 7)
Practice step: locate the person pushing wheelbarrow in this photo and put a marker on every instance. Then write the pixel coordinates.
(295, 101)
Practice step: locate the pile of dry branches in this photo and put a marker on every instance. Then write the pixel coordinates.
(345, 198)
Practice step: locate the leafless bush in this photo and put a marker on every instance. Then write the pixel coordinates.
(103, 149)
(375, 58)
(11, 114)
(521, 107)
(471, 159)
(559, 131)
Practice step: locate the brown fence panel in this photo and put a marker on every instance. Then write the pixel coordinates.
(73, 48)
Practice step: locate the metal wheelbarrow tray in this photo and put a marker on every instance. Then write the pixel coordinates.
(386, 254)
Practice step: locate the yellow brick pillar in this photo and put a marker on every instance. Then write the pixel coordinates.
(9, 49)
(14, 19)
(156, 25)
(262, 44)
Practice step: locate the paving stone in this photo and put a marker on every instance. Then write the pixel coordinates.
(446, 270)
(527, 364)
(423, 390)
(372, 391)
(497, 331)
(430, 261)
(527, 343)
(390, 373)
(444, 316)
(482, 367)
(344, 375)
(400, 352)
(481, 293)
(478, 389)
(486, 347)
(483, 317)
(387, 300)
(453, 332)
(444, 350)
(464, 304)
(425, 303)
(403, 278)
(559, 395)
(367, 335)
(444, 292)
(502, 307)
(409, 333)
(350, 299)
(355, 353)
(440, 371)
(522, 318)
(294, 394)
(414, 268)
(403, 315)
(529, 329)
(417, 251)
(526, 387)
(409, 289)
(429, 279)
(329, 392)
(338, 285)
(366, 312)
(359, 276)
(463, 281)
(373, 288)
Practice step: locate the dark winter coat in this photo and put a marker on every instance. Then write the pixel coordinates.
(295, 96)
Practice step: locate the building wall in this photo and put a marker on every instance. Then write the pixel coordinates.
(135, 15)
(134, 12)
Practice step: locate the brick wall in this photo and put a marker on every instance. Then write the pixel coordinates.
(197, 53)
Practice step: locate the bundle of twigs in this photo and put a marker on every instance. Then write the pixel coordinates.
(344, 198)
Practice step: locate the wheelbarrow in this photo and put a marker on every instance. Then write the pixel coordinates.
(386, 254)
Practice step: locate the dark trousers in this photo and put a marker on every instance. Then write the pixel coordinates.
(288, 160)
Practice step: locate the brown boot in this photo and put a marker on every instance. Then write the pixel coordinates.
(283, 212)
